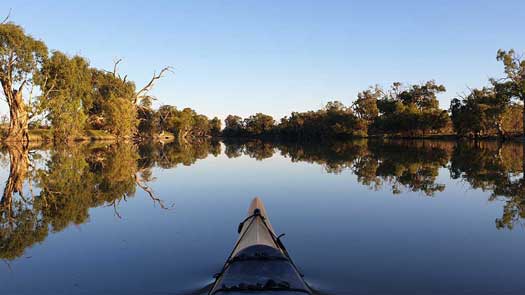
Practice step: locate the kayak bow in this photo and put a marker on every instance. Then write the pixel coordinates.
(259, 262)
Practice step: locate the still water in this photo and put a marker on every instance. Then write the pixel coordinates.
(361, 217)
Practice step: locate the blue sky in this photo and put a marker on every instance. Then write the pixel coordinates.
(275, 57)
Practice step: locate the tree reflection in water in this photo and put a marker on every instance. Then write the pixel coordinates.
(496, 168)
(49, 189)
(414, 165)
(74, 179)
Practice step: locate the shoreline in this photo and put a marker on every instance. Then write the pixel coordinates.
(45, 136)
(447, 137)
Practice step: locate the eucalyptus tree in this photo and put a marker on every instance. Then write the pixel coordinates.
(67, 85)
(215, 126)
(365, 106)
(21, 57)
(514, 66)
(233, 125)
(117, 102)
(480, 112)
(259, 124)
(411, 109)
(112, 108)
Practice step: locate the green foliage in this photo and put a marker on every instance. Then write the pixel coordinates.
(514, 81)
(20, 55)
(334, 121)
(482, 112)
(113, 107)
(513, 119)
(185, 124)
(514, 67)
(233, 125)
(259, 124)
(165, 117)
(422, 96)
(411, 110)
(120, 117)
(20, 58)
(66, 86)
(365, 106)
(215, 126)
(148, 125)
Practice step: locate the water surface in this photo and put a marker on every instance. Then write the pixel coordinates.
(360, 217)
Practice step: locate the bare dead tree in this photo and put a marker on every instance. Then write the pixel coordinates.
(142, 93)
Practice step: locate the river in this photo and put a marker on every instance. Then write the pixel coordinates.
(360, 217)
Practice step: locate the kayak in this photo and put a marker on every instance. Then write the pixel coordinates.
(259, 262)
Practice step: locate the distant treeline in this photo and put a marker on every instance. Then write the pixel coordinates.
(184, 124)
(405, 110)
(408, 110)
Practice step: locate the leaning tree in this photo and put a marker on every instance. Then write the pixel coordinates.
(20, 58)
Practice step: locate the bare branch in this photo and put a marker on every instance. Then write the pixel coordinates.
(6, 18)
(29, 101)
(51, 89)
(22, 86)
(115, 66)
(148, 190)
(142, 92)
(24, 198)
(114, 204)
(8, 264)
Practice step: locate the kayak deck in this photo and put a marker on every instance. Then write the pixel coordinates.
(259, 263)
(255, 230)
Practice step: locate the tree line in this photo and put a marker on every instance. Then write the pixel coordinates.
(405, 110)
(51, 90)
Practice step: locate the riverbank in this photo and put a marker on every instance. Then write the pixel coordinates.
(42, 135)
(46, 135)
(448, 137)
